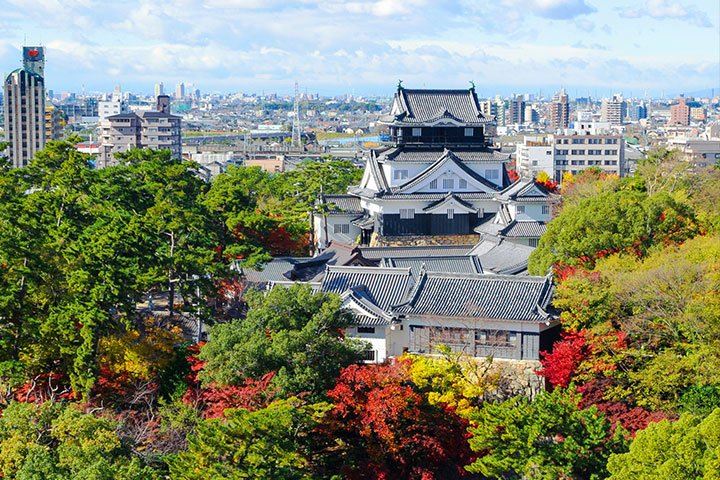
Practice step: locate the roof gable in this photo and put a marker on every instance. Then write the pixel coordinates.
(450, 201)
(447, 162)
(428, 106)
(385, 286)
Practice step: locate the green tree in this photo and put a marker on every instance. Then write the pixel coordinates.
(624, 220)
(550, 437)
(293, 331)
(687, 449)
(272, 443)
(57, 442)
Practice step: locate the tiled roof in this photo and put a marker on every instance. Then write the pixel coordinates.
(378, 253)
(346, 204)
(430, 155)
(525, 191)
(448, 198)
(489, 297)
(421, 106)
(272, 271)
(441, 163)
(498, 255)
(367, 314)
(437, 196)
(447, 264)
(523, 229)
(385, 286)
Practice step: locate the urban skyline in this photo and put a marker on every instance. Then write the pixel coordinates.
(361, 47)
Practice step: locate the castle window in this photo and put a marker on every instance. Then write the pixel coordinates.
(448, 183)
(451, 213)
(469, 132)
(433, 185)
(400, 174)
(417, 132)
(407, 213)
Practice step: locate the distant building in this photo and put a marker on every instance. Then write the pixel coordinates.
(111, 107)
(559, 111)
(639, 112)
(54, 123)
(516, 111)
(24, 108)
(159, 89)
(575, 153)
(155, 129)
(680, 113)
(535, 155)
(614, 110)
(179, 91)
(698, 113)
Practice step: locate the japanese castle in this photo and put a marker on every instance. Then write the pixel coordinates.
(441, 183)
(432, 246)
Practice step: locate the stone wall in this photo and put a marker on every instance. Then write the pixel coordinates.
(422, 240)
(519, 377)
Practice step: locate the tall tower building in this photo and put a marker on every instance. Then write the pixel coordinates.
(179, 91)
(24, 92)
(614, 110)
(516, 110)
(559, 114)
(159, 89)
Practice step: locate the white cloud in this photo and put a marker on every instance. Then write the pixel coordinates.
(664, 9)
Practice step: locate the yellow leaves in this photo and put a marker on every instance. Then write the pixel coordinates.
(140, 355)
(454, 379)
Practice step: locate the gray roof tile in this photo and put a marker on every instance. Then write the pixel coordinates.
(421, 106)
(430, 155)
(385, 286)
(523, 229)
(483, 297)
(378, 253)
(447, 264)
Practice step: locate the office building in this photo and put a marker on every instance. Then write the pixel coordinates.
(24, 108)
(575, 153)
(516, 111)
(179, 91)
(156, 129)
(159, 89)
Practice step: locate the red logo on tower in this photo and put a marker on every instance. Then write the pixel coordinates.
(32, 53)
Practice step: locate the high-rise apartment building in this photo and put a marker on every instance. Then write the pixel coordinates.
(159, 89)
(54, 123)
(516, 111)
(559, 111)
(157, 129)
(680, 113)
(24, 108)
(179, 91)
(614, 110)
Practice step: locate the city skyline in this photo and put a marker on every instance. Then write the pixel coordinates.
(364, 47)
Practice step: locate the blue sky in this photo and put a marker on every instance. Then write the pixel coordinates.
(365, 46)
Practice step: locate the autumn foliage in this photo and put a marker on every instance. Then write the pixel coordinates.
(391, 429)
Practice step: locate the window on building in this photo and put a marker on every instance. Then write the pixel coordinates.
(433, 185)
(481, 212)
(366, 329)
(369, 355)
(533, 242)
(492, 174)
(546, 209)
(577, 141)
(611, 141)
(450, 213)
(341, 228)
(469, 132)
(448, 183)
(520, 208)
(400, 174)
(463, 183)
(407, 213)
(417, 132)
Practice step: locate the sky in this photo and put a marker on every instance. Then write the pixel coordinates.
(363, 47)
